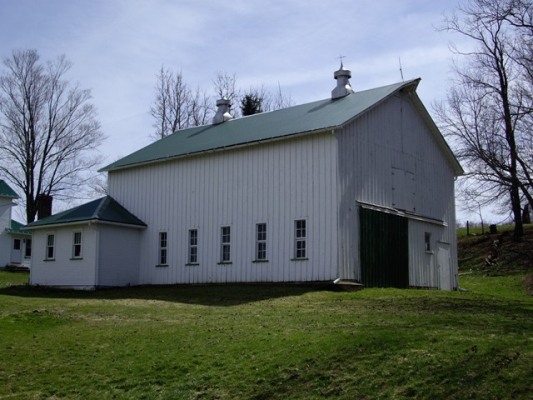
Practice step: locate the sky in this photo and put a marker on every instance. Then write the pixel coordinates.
(117, 48)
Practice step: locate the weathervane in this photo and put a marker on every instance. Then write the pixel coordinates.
(340, 58)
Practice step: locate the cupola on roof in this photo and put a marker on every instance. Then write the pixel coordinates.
(223, 114)
(343, 84)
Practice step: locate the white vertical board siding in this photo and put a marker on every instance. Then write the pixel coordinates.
(119, 250)
(422, 264)
(273, 183)
(64, 271)
(5, 239)
(392, 137)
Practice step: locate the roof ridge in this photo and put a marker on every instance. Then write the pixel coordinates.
(6, 190)
(312, 117)
(103, 201)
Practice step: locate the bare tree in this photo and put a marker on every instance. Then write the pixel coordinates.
(225, 86)
(176, 106)
(48, 129)
(200, 108)
(487, 110)
(279, 100)
(171, 106)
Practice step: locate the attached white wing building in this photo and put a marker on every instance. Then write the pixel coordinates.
(358, 186)
(15, 242)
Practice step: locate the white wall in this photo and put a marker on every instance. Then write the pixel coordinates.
(274, 183)
(5, 239)
(63, 270)
(119, 252)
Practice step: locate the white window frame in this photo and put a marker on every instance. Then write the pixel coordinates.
(300, 239)
(261, 230)
(192, 257)
(50, 246)
(225, 244)
(162, 253)
(77, 245)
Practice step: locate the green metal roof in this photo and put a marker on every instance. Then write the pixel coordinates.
(306, 118)
(105, 209)
(17, 229)
(6, 191)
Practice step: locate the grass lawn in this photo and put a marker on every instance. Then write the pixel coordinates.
(266, 342)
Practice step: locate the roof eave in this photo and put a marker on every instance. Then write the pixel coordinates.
(84, 222)
(222, 148)
(20, 233)
(456, 166)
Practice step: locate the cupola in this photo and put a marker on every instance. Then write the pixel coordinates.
(343, 87)
(222, 114)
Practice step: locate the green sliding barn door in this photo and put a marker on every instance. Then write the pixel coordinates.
(384, 249)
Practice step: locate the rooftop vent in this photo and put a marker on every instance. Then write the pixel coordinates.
(343, 84)
(222, 115)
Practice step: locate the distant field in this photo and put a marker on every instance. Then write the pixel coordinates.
(266, 342)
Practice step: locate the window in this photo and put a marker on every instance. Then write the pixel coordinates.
(300, 235)
(76, 245)
(427, 241)
(16, 244)
(225, 244)
(27, 252)
(50, 247)
(163, 248)
(261, 242)
(193, 246)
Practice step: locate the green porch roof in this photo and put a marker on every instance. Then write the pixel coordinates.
(306, 118)
(105, 209)
(17, 229)
(6, 191)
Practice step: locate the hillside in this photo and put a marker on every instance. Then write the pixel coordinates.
(497, 254)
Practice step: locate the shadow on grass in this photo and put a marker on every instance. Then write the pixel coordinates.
(201, 294)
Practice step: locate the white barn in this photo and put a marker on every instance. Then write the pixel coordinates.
(359, 186)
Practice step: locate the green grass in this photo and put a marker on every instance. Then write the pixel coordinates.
(477, 230)
(266, 342)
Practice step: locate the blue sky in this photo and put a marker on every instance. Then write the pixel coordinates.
(118, 46)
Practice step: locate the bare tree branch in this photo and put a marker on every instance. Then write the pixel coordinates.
(488, 113)
(48, 129)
